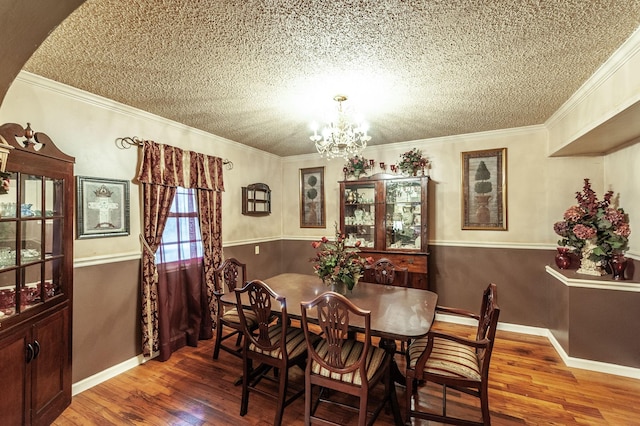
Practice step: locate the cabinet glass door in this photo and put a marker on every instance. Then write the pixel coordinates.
(31, 229)
(360, 215)
(403, 214)
(8, 235)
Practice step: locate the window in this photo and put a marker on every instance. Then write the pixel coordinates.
(181, 239)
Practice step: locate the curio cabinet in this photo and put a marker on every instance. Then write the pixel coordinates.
(387, 216)
(36, 274)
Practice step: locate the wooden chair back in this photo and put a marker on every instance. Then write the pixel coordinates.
(386, 272)
(332, 311)
(230, 274)
(261, 299)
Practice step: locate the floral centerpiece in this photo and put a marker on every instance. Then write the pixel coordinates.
(356, 166)
(411, 161)
(595, 229)
(336, 263)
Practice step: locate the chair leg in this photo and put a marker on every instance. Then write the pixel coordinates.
(216, 348)
(484, 404)
(244, 403)
(282, 396)
(307, 402)
(364, 402)
(410, 381)
(444, 400)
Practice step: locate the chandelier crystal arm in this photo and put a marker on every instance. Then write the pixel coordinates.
(341, 138)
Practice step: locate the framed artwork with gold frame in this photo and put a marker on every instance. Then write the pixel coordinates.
(484, 190)
(312, 208)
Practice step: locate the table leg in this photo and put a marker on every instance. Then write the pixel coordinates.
(390, 347)
(396, 377)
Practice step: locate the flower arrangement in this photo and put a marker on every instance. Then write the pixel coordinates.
(356, 165)
(335, 262)
(594, 223)
(411, 161)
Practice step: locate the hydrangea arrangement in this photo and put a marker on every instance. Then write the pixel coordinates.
(596, 221)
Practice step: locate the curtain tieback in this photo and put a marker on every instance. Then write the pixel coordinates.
(146, 245)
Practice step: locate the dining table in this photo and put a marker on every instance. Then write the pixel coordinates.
(397, 313)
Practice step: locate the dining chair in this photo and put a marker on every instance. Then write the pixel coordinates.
(342, 363)
(454, 362)
(273, 343)
(384, 271)
(229, 275)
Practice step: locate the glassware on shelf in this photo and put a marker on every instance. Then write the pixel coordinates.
(7, 257)
(7, 209)
(7, 302)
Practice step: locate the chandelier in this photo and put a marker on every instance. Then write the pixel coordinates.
(341, 138)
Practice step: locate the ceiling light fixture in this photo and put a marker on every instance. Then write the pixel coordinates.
(341, 138)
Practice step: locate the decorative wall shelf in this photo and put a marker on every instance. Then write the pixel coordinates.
(256, 199)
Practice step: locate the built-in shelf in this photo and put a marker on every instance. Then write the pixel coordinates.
(571, 278)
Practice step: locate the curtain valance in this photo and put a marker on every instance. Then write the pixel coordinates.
(172, 166)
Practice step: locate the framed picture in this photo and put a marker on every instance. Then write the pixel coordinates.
(484, 190)
(312, 211)
(102, 207)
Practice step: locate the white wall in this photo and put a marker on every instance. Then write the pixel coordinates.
(539, 188)
(622, 176)
(86, 126)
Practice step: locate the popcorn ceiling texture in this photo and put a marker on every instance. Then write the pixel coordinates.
(259, 72)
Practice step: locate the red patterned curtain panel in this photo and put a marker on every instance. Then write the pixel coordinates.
(163, 168)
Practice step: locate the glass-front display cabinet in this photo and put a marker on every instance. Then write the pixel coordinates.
(31, 249)
(36, 276)
(386, 216)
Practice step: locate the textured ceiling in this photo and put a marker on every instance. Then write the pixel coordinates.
(259, 72)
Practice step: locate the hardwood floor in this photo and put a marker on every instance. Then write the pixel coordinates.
(529, 386)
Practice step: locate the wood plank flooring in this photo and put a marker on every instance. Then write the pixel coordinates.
(529, 385)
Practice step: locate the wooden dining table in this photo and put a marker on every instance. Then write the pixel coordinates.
(397, 313)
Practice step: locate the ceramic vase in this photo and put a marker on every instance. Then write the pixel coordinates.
(563, 259)
(588, 266)
(618, 264)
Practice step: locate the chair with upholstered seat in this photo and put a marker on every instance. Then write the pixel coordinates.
(342, 363)
(229, 275)
(455, 362)
(384, 271)
(273, 343)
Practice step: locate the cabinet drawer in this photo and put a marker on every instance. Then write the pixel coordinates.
(416, 263)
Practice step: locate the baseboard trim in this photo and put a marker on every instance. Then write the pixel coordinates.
(584, 364)
(107, 374)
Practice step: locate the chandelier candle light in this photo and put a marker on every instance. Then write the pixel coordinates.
(341, 138)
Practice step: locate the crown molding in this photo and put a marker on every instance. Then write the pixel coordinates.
(620, 57)
(98, 101)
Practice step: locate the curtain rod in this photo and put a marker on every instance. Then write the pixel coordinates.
(129, 141)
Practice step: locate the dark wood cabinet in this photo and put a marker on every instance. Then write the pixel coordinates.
(36, 276)
(387, 216)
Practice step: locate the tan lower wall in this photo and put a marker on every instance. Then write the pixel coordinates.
(106, 317)
(598, 325)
